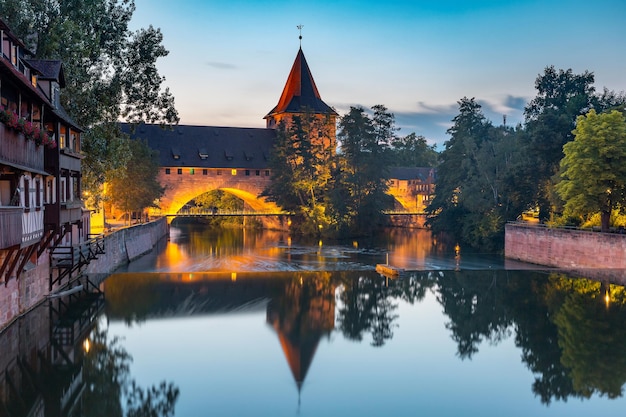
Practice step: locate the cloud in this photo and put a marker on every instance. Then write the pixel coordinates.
(220, 65)
(433, 120)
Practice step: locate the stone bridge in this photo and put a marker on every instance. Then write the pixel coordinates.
(198, 159)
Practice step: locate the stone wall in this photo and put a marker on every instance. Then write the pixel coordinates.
(565, 248)
(124, 245)
(17, 296)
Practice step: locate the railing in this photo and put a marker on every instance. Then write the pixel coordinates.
(404, 212)
(70, 259)
(595, 229)
(10, 226)
(15, 149)
(210, 213)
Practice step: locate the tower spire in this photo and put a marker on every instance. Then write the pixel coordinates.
(300, 37)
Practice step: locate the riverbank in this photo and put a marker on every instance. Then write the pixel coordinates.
(572, 249)
(120, 247)
(124, 245)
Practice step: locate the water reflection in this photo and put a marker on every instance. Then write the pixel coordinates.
(58, 361)
(201, 249)
(354, 342)
(571, 339)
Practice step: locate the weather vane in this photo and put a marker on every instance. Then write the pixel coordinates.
(300, 29)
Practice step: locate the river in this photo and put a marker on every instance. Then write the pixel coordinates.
(255, 323)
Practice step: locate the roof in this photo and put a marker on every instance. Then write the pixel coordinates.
(50, 69)
(300, 92)
(412, 173)
(207, 146)
(14, 38)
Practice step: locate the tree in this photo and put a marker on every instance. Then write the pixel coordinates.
(412, 151)
(110, 71)
(475, 194)
(562, 96)
(593, 171)
(363, 169)
(135, 186)
(301, 164)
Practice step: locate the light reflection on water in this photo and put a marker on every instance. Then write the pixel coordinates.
(194, 249)
(484, 343)
(255, 324)
(257, 329)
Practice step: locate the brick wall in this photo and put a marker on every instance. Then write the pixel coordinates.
(564, 248)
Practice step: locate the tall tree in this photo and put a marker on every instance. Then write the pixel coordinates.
(363, 169)
(412, 151)
(301, 165)
(475, 195)
(110, 71)
(562, 96)
(135, 186)
(593, 171)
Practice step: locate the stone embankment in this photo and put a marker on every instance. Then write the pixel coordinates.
(125, 245)
(19, 296)
(571, 249)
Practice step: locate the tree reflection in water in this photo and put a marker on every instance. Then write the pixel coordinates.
(569, 330)
(108, 381)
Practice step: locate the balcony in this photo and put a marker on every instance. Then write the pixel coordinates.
(11, 226)
(16, 150)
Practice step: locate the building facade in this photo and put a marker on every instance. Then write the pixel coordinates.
(40, 174)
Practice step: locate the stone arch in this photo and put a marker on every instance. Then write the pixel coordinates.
(180, 199)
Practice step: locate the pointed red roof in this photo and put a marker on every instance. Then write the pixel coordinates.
(300, 92)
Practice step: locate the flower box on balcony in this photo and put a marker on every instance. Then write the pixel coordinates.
(15, 149)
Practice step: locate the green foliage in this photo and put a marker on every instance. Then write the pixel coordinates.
(107, 151)
(301, 164)
(562, 96)
(221, 201)
(593, 171)
(477, 191)
(362, 171)
(110, 71)
(412, 151)
(134, 186)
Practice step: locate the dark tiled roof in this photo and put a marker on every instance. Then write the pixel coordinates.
(207, 146)
(25, 86)
(300, 91)
(14, 38)
(410, 173)
(50, 69)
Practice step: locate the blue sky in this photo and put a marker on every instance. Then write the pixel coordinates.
(229, 59)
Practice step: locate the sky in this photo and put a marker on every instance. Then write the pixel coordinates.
(229, 59)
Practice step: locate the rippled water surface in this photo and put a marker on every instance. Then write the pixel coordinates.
(238, 323)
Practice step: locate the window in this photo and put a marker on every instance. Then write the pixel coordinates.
(167, 171)
(37, 193)
(26, 192)
(247, 172)
(49, 192)
(63, 189)
(180, 171)
(192, 171)
(233, 172)
(257, 172)
(219, 172)
(267, 172)
(75, 188)
(205, 172)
